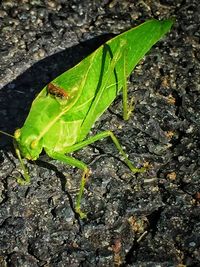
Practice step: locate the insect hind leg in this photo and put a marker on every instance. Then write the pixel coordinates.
(100, 136)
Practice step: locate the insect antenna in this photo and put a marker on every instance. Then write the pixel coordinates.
(12, 136)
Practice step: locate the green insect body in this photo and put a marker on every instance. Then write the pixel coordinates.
(60, 125)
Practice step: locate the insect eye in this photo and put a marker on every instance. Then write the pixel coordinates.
(17, 133)
(34, 144)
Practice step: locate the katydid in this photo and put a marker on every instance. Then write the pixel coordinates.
(63, 113)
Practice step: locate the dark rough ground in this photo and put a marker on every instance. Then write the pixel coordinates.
(151, 219)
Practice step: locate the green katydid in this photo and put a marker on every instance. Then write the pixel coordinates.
(62, 114)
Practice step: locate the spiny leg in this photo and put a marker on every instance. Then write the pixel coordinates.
(79, 164)
(127, 107)
(26, 178)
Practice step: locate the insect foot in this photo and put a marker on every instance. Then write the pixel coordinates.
(136, 170)
(22, 181)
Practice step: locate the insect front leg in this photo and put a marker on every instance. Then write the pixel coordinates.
(26, 178)
(86, 172)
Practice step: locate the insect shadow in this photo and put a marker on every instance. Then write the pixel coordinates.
(16, 97)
